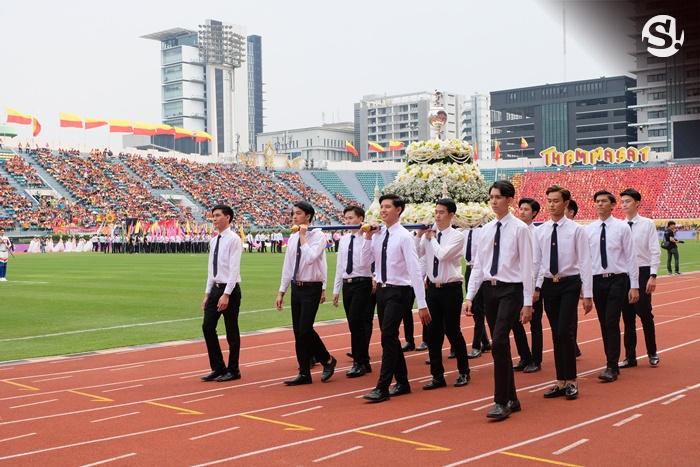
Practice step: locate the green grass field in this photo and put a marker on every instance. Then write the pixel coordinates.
(59, 294)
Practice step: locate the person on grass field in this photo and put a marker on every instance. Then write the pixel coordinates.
(223, 296)
(6, 249)
(305, 269)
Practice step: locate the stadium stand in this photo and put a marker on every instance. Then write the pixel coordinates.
(333, 184)
(369, 180)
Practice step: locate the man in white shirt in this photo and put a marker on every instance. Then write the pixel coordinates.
(354, 276)
(305, 269)
(646, 246)
(223, 296)
(503, 267)
(399, 278)
(571, 211)
(480, 341)
(6, 248)
(442, 251)
(565, 267)
(615, 276)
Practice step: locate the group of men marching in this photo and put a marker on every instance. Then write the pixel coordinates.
(515, 273)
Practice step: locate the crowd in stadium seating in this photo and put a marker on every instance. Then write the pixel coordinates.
(345, 201)
(24, 172)
(144, 169)
(12, 203)
(328, 211)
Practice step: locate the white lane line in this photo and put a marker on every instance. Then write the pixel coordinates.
(302, 411)
(339, 453)
(203, 398)
(125, 387)
(52, 379)
(111, 459)
(673, 399)
(128, 367)
(5, 368)
(214, 433)
(69, 359)
(116, 416)
(192, 374)
(482, 407)
(419, 427)
(262, 362)
(187, 357)
(542, 388)
(570, 446)
(33, 403)
(276, 383)
(627, 420)
(16, 437)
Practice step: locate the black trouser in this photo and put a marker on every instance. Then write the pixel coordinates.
(392, 303)
(561, 305)
(610, 296)
(308, 344)
(407, 319)
(445, 305)
(481, 339)
(233, 336)
(642, 309)
(502, 304)
(672, 252)
(356, 301)
(524, 351)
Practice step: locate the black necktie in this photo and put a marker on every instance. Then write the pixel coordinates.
(468, 256)
(436, 262)
(630, 223)
(348, 268)
(496, 250)
(384, 246)
(603, 249)
(554, 252)
(216, 255)
(296, 261)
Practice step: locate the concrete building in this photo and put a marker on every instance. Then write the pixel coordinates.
(255, 90)
(576, 114)
(476, 124)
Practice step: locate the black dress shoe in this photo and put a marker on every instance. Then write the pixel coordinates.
(654, 360)
(435, 384)
(349, 354)
(571, 392)
(356, 371)
(427, 361)
(367, 367)
(452, 354)
(212, 376)
(328, 369)
(532, 368)
(422, 346)
(578, 351)
(400, 389)
(522, 364)
(377, 395)
(555, 391)
(486, 348)
(474, 353)
(628, 363)
(408, 346)
(499, 412)
(462, 380)
(608, 375)
(514, 406)
(300, 379)
(229, 376)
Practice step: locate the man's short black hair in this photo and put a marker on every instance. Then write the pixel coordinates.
(359, 212)
(610, 196)
(396, 200)
(670, 223)
(534, 205)
(504, 187)
(448, 203)
(573, 206)
(632, 193)
(307, 208)
(225, 210)
(565, 194)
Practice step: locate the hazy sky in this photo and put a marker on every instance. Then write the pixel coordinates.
(319, 57)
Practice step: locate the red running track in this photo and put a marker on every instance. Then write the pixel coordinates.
(148, 407)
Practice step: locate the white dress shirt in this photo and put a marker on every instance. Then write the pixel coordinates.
(312, 264)
(646, 242)
(475, 239)
(573, 252)
(361, 260)
(448, 253)
(228, 261)
(619, 249)
(402, 265)
(536, 253)
(515, 259)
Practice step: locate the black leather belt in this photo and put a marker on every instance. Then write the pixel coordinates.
(562, 280)
(382, 286)
(356, 279)
(444, 285)
(220, 285)
(495, 283)
(609, 275)
(306, 284)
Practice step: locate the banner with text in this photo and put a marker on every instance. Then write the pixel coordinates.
(594, 156)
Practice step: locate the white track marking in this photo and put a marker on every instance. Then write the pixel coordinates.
(673, 399)
(302, 411)
(125, 387)
(111, 459)
(627, 420)
(339, 453)
(115, 416)
(16, 437)
(203, 398)
(570, 446)
(33, 403)
(214, 433)
(420, 427)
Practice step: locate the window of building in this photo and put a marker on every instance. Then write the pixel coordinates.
(693, 73)
(590, 102)
(590, 115)
(656, 77)
(619, 126)
(655, 96)
(693, 92)
(592, 128)
(620, 99)
(658, 132)
(692, 110)
(657, 114)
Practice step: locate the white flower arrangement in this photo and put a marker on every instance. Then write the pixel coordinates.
(456, 150)
(417, 183)
(468, 214)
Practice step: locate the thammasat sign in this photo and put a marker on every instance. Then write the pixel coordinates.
(594, 156)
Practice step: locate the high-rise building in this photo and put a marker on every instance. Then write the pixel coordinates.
(576, 114)
(255, 90)
(204, 86)
(315, 145)
(402, 117)
(476, 124)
